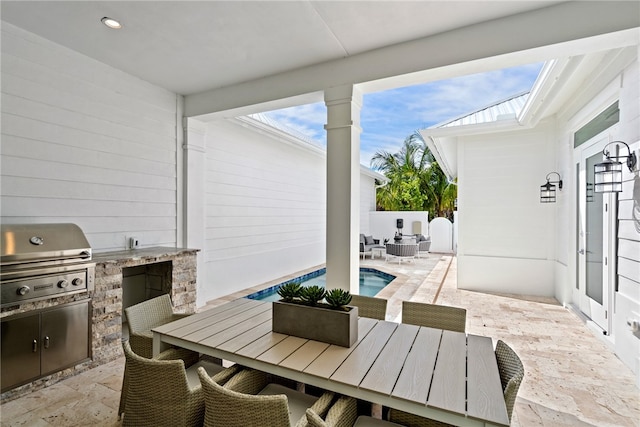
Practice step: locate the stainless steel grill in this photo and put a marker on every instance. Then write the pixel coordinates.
(41, 261)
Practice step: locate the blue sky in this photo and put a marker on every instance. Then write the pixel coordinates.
(388, 117)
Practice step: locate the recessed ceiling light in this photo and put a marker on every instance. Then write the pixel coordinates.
(111, 23)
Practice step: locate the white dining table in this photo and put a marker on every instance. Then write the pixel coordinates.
(443, 375)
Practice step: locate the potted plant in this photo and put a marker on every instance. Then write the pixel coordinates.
(302, 313)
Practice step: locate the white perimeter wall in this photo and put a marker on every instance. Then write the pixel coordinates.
(505, 235)
(265, 208)
(85, 143)
(383, 223)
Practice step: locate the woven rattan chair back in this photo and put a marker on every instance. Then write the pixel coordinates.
(144, 316)
(375, 308)
(511, 373)
(225, 407)
(343, 413)
(158, 393)
(434, 316)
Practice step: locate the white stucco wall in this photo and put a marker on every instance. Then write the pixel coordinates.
(85, 143)
(505, 235)
(383, 223)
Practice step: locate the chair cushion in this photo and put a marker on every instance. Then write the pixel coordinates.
(298, 402)
(368, 240)
(363, 421)
(192, 372)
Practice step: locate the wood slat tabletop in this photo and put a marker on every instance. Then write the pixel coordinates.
(444, 375)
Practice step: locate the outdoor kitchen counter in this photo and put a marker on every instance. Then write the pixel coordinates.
(177, 267)
(141, 256)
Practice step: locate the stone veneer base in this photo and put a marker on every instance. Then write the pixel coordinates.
(106, 299)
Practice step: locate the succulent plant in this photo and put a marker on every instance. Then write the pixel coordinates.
(289, 291)
(338, 297)
(312, 294)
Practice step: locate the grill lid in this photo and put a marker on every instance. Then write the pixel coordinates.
(31, 243)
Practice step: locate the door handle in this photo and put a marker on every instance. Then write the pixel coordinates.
(46, 342)
(35, 346)
(581, 251)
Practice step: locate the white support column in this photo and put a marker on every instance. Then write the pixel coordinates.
(343, 187)
(194, 206)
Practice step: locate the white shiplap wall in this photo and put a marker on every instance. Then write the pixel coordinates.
(265, 208)
(85, 143)
(627, 297)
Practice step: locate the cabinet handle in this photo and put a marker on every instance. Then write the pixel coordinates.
(35, 346)
(46, 342)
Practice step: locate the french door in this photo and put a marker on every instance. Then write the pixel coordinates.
(595, 233)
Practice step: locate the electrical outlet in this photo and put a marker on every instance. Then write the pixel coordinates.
(134, 243)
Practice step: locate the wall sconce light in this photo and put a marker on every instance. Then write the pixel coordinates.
(548, 190)
(608, 174)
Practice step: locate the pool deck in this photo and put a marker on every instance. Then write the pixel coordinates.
(572, 378)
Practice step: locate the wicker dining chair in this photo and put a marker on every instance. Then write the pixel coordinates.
(434, 316)
(241, 402)
(163, 391)
(375, 308)
(511, 375)
(344, 413)
(142, 317)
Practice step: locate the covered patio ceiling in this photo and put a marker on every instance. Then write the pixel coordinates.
(239, 57)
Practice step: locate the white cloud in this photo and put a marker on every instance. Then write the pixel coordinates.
(387, 118)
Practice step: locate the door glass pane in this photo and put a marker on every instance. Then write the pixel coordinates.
(593, 238)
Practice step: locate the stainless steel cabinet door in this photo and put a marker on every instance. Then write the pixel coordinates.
(64, 336)
(20, 351)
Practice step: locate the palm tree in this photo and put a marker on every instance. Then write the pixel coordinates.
(416, 181)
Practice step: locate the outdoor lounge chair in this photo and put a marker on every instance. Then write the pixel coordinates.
(142, 317)
(375, 308)
(344, 413)
(163, 391)
(248, 401)
(401, 251)
(424, 244)
(367, 243)
(511, 375)
(434, 316)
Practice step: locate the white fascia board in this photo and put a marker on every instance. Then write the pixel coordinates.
(289, 139)
(373, 174)
(280, 135)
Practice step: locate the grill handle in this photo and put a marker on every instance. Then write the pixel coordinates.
(81, 255)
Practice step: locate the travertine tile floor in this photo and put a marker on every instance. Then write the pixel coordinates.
(572, 378)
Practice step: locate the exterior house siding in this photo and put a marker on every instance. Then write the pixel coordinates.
(627, 295)
(265, 208)
(85, 143)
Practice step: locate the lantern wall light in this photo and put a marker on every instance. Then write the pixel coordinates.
(608, 174)
(548, 190)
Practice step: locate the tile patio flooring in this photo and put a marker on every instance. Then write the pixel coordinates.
(572, 378)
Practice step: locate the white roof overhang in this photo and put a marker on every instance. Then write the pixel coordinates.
(555, 88)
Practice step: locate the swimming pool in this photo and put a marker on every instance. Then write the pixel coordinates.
(371, 282)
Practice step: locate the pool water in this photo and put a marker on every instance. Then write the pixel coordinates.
(371, 282)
